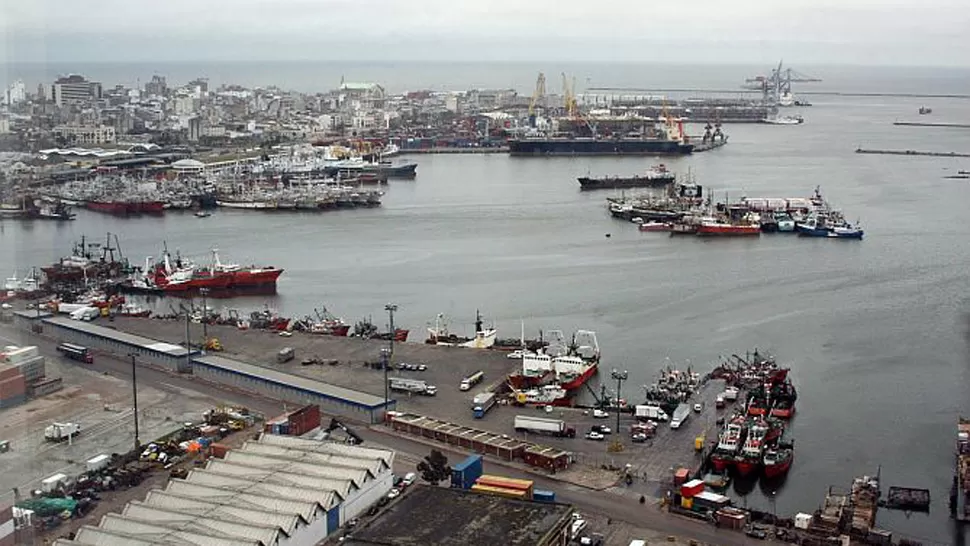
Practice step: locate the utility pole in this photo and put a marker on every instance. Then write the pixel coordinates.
(620, 378)
(389, 352)
(134, 397)
(205, 315)
(188, 342)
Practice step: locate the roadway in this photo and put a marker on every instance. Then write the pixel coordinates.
(612, 505)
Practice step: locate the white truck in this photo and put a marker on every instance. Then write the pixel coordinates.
(555, 427)
(650, 413)
(681, 414)
(413, 386)
(58, 432)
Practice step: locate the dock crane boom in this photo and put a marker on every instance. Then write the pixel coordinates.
(538, 95)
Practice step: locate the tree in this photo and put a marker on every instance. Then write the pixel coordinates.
(434, 468)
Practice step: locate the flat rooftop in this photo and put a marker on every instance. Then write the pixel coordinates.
(117, 335)
(452, 517)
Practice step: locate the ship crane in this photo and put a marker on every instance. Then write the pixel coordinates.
(538, 98)
(571, 104)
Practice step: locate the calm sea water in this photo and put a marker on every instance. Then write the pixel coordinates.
(876, 331)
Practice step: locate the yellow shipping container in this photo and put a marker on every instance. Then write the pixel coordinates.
(686, 503)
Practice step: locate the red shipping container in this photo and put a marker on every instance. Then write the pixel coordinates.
(681, 475)
(8, 370)
(218, 450)
(13, 387)
(304, 420)
(691, 488)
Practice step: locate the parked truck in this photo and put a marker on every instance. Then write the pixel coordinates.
(468, 382)
(482, 403)
(650, 413)
(681, 414)
(413, 386)
(464, 474)
(58, 432)
(541, 425)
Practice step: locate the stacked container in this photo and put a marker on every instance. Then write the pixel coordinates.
(13, 386)
(464, 474)
(294, 423)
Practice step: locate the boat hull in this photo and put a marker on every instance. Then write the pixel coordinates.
(728, 230)
(653, 227)
(581, 379)
(721, 463)
(587, 146)
(521, 381)
(745, 467)
(783, 413)
(610, 183)
(779, 469)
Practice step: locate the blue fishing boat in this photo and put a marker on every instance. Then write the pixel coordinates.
(821, 227)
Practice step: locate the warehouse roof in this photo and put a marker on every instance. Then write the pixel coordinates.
(197, 491)
(89, 535)
(288, 522)
(325, 499)
(310, 386)
(357, 475)
(485, 437)
(116, 335)
(341, 486)
(160, 534)
(206, 524)
(452, 517)
(295, 442)
(372, 466)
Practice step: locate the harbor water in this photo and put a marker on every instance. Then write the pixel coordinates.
(876, 331)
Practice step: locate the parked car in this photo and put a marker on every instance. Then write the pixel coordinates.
(593, 435)
(698, 407)
(422, 367)
(639, 438)
(516, 354)
(393, 493)
(409, 479)
(600, 414)
(602, 429)
(397, 480)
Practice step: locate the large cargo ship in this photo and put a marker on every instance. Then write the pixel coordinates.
(185, 277)
(667, 138)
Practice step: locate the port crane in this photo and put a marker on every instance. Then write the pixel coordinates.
(777, 86)
(571, 104)
(538, 98)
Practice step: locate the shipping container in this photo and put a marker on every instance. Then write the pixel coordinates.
(14, 386)
(13, 401)
(499, 491)
(464, 474)
(304, 420)
(731, 518)
(97, 463)
(692, 488)
(526, 486)
(218, 450)
(543, 495)
(45, 387)
(7, 371)
(16, 355)
(681, 475)
(32, 368)
(546, 457)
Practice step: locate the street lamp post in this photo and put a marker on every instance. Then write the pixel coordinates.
(620, 378)
(134, 397)
(205, 313)
(390, 308)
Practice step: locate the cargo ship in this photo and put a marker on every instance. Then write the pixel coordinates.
(655, 177)
(567, 365)
(666, 139)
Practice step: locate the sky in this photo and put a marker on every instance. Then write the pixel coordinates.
(876, 32)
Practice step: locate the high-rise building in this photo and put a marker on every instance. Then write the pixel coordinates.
(74, 89)
(157, 86)
(15, 93)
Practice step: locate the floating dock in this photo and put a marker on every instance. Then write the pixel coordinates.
(911, 152)
(932, 124)
(910, 499)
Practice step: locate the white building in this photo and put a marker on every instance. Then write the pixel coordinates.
(74, 89)
(86, 134)
(15, 93)
(277, 491)
(4, 125)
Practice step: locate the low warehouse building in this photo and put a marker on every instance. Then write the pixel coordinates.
(292, 388)
(474, 439)
(276, 491)
(158, 353)
(453, 517)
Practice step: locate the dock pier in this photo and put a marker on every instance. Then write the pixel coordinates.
(942, 124)
(911, 153)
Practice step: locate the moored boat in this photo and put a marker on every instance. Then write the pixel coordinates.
(816, 226)
(439, 334)
(656, 176)
(544, 395)
(752, 453)
(729, 441)
(656, 226)
(777, 461)
(727, 229)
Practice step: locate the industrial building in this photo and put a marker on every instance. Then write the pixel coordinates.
(479, 441)
(219, 370)
(275, 491)
(453, 517)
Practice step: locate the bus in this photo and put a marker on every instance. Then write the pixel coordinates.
(76, 352)
(472, 380)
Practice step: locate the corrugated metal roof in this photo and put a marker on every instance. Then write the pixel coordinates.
(90, 535)
(182, 488)
(207, 524)
(160, 534)
(116, 335)
(295, 442)
(358, 475)
(288, 522)
(373, 466)
(341, 486)
(326, 499)
(340, 394)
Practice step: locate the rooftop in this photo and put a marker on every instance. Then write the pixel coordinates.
(311, 386)
(116, 335)
(452, 517)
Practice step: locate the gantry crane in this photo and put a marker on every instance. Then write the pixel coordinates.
(538, 98)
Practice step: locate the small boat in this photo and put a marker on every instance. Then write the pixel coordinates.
(683, 229)
(924, 110)
(819, 227)
(784, 120)
(202, 214)
(656, 226)
(777, 462)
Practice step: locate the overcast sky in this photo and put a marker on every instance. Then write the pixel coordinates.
(880, 32)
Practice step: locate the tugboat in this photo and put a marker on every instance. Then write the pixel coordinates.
(329, 324)
(752, 452)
